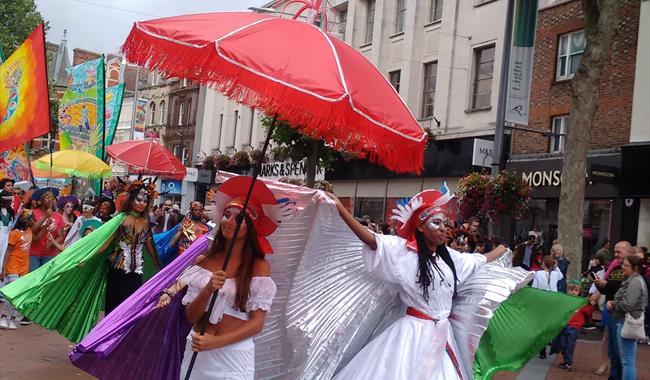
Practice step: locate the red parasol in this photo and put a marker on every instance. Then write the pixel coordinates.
(316, 82)
(148, 157)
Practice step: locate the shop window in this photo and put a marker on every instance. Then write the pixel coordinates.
(394, 79)
(482, 78)
(435, 10)
(569, 51)
(429, 89)
(373, 207)
(370, 21)
(558, 128)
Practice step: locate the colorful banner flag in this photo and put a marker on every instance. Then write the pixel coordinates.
(24, 99)
(81, 110)
(140, 114)
(521, 62)
(114, 97)
(14, 164)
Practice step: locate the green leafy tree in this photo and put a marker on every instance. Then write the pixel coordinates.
(18, 18)
(291, 144)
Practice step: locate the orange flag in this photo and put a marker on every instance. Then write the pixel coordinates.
(24, 103)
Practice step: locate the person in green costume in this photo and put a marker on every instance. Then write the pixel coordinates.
(67, 293)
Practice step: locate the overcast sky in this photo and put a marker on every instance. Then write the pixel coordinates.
(102, 25)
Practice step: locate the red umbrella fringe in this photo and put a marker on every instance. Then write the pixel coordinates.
(174, 60)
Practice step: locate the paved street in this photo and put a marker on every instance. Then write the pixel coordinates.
(34, 353)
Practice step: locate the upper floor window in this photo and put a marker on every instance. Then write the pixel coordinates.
(435, 10)
(342, 14)
(370, 20)
(181, 113)
(188, 112)
(482, 78)
(394, 79)
(152, 109)
(162, 112)
(400, 12)
(569, 51)
(429, 89)
(559, 126)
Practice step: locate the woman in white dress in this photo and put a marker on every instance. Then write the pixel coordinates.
(246, 290)
(419, 345)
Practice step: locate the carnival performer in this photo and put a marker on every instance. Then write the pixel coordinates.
(66, 293)
(246, 290)
(174, 242)
(427, 273)
(126, 258)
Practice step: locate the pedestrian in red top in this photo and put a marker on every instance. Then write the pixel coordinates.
(569, 335)
(48, 227)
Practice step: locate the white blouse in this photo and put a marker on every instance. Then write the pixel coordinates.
(260, 297)
(393, 262)
(547, 280)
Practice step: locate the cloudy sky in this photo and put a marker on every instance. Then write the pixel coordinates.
(102, 25)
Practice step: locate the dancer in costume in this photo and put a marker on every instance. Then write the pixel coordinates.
(192, 228)
(126, 258)
(246, 290)
(427, 274)
(48, 227)
(67, 293)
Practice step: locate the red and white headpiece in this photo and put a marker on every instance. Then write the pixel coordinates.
(422, 206)
(265, 212)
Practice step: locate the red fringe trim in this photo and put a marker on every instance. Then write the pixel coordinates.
(335, 123)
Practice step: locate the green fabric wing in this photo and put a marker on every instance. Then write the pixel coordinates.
(63, 296)
(521, 326)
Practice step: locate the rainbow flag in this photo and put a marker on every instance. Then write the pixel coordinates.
(24, 99)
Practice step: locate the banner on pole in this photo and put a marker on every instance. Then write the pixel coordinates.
(24, 99)
(140, 114)
(114, 96)
(14, 164)
(81, 110)
(521, 62)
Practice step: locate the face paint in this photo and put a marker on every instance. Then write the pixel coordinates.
(142, 196)
(436, 222)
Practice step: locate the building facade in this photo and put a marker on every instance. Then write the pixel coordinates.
(610, 213)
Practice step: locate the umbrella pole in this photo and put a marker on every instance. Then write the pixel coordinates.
(240, 218)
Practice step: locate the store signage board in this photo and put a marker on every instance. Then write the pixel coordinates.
(288, 169)
(482, 153)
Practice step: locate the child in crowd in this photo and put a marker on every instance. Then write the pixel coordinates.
(548, 276)
(547, 279)
(16, 263)
(568, 337)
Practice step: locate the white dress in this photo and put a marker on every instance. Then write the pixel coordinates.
(235, 361)
(547, 280)
(412, 348)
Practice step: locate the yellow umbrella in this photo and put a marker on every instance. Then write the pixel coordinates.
(74, 163)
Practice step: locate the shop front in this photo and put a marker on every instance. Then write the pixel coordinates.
(374, 191)
(605, 210)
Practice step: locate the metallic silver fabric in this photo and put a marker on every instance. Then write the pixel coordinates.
(327, 306)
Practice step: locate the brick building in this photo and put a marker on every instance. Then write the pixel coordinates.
(559, 44)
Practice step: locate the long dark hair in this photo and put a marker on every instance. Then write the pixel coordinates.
(427, 264)
(251, 252)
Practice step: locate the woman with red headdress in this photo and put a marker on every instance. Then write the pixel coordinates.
(420, 345)
(246, 289)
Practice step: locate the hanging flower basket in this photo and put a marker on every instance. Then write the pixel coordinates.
(493, 198)
(222, 162)
(240, 161)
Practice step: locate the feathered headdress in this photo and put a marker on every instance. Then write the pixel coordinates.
(419, 209)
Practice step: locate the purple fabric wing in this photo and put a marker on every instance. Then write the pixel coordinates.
(138, 341)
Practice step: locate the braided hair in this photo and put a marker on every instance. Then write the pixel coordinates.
(428, 265)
